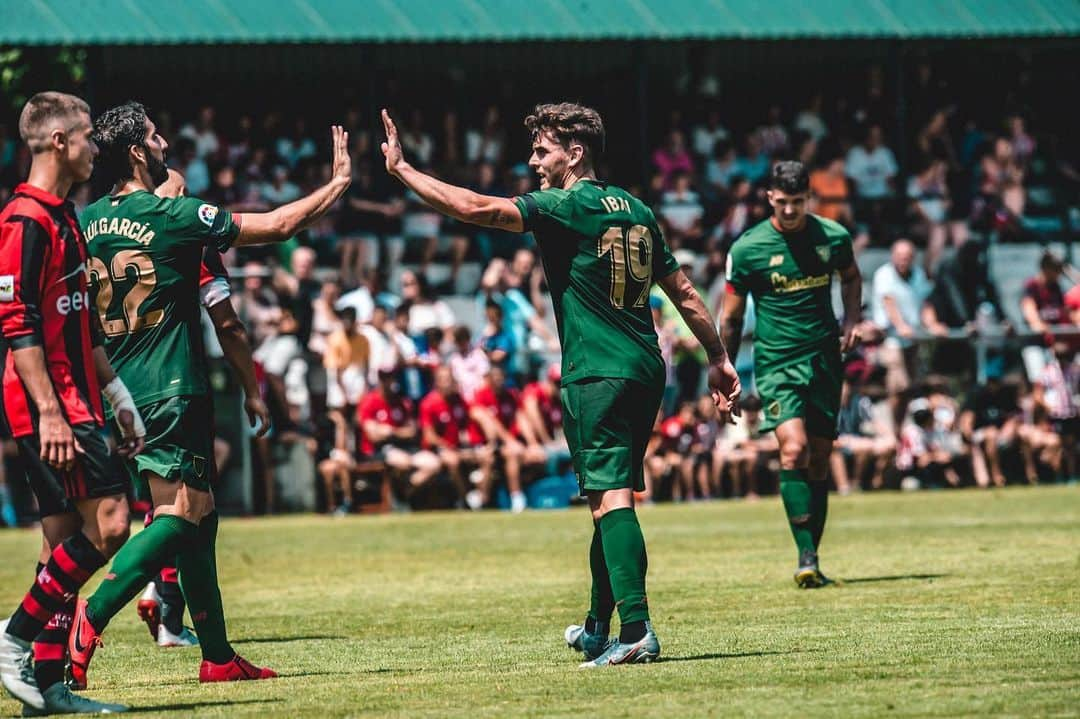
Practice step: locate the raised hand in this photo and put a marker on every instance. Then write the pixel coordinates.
(341, 164)
(391, 148)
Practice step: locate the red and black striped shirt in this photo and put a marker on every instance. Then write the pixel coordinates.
(44, 302)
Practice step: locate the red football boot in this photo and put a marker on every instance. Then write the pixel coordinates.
(82, 641)
(149, 609)
(234, 670)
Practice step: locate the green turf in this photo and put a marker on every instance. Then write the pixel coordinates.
(955, 604)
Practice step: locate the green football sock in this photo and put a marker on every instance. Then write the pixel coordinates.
(796, 493)
(624, 554)
(603, 604)
(197, 570)
(137, 562)
(819, 509)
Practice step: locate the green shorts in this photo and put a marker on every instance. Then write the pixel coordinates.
(608, 423)
(179, 444)
(808, 389)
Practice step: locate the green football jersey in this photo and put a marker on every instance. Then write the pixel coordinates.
(790, 278)
(602, 250)
(145, 254)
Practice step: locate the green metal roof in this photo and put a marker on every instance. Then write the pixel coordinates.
(108, 22)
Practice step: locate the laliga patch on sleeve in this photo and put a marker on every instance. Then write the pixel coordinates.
(7, 288)
(207, 213)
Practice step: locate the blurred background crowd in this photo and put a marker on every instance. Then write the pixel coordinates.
(410, 360)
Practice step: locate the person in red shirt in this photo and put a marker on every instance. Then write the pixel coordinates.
(1043, 303)
(677, 434)
(494, 412)
(444, 424)
(54, 377)
(388, 431)
(540, 419)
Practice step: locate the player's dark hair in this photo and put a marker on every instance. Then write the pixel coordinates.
(790, 177)
(115, 131)
(569, 123)
(751, 403)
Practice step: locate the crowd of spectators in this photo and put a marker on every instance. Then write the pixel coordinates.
(395, 342)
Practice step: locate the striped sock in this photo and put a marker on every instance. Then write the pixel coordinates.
(57, 584)
(50, 647)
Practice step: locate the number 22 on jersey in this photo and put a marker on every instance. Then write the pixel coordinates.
(145, 279)
(631, 250)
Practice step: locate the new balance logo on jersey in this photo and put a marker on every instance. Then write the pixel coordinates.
(776, 260)
(75, 302)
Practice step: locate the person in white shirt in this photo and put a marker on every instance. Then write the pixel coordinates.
(899, 289)
(872, 166)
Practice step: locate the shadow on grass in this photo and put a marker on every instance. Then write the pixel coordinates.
(276, 640)
(192, 706)
(732, 655)
(289, 675)
(892, 578)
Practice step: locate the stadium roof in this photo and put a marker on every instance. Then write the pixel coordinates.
(122, 22)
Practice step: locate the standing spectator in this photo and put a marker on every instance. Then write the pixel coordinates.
(1043, 303)
(900, 287)
(829, 187)
(324, 318)
(872, 167)
(1001, 188)
(1055, 392)
(256, 305)
(928, 194)
(495, 340)
(296, 146)
(300, 288)
(191, 166)
(682, 214)
(672, 158)
(370, 219)
(202, 133)
(346, 362)
(1023, 144)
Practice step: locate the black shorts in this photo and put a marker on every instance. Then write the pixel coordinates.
(94, 474)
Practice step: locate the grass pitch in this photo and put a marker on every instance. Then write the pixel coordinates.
(954, 604)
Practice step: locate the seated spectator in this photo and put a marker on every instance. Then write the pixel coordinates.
(1024, 145)
(671, 464)
(920, 458)
(741, 448)
(1055, 394)
(682, 213)
(1039, 443)
(487, 142)
(809, 119)
(722, 168)
(1043, 303)
(422, 306)
(900, 288)
(495, 340)
(829, 190)
(1072, 304)
(369, 220)
(990, 422)
(540, 417)
(754, 163)
(860, 436)
(494, 411)
(1002, 197)
(672, 158)
(297, 145)
(279, 190)
(703, 448)
(417, 141)
(709, 134)
(324, 317)
(202, 133)
(444, 423)
(773, 134)
(256, 304)
(468, 363)
(186, 161)
(928, 193)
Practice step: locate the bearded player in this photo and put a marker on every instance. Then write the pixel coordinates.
(145, 256)
(602, 250)
(786, 263)
(55, 373)
(161, 605)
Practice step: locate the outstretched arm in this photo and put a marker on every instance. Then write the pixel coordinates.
(723, 379)
(259, 228)
(460, 203)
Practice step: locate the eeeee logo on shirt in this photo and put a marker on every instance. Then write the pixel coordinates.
(7, 288)
(207, 214)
